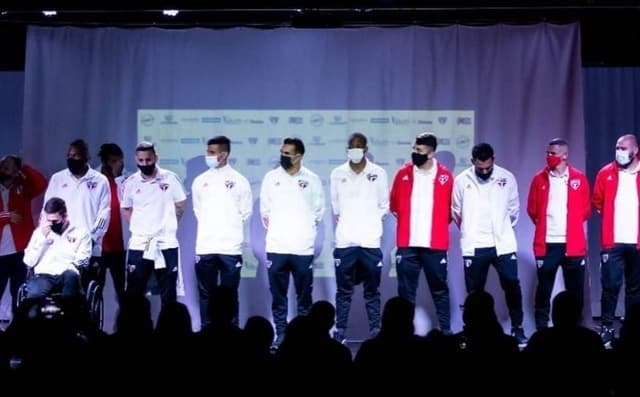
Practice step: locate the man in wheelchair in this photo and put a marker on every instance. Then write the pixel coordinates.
(55, 253)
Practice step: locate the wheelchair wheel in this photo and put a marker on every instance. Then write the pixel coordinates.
(21, 295)
(95, 303)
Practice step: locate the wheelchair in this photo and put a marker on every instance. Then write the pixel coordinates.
(92, 296)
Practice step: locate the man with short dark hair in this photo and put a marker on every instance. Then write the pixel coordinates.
(87, 196)
(486, 206)
(222, 203)
(55, 253)
(360, 199)
(291, 207)
(421, 202)
(559, 206)
(19, 185)
(153, 202)
(113, 252)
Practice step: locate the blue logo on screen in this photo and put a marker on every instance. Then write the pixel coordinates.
(379, 120)
(316, 120)
(274, 119)
(190, 140)
(168, 119)
(254, 162)
(147, 119)
(464, 120)
(338, 120)
(212, 120)
(275, 140)
(252, 140)
(444, 141)
(169, 161)
(316, 141)
(425, 122)
(442, 119)
(463, 141)
(399, 121)
(295, 120)
(230, 120)
(253, 121)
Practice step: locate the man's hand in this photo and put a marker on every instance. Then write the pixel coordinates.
(45, 229)
(14, 217)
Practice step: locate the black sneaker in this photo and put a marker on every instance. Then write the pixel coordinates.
(518, 333)
(607, 334)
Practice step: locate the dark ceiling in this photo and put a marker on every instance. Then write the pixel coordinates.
(610, 28)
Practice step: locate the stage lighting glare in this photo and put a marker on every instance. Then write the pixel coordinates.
(170, 13)
(49, 13)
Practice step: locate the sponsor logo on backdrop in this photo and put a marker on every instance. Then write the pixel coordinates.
(399, 121)
(429, 122)
(231, 120)
(236, 142)
(356, 120)
(464, 121)
(169, 161)
(253, 121)
(398, 161)
(189, 119)
(274, 119)
(337, 140)
(168, 120)
(442, 120)
(379, 142)
(317, 141)
(316, 161)
(190, 141)
(379, 120)
(405, 142)
(463, 141)
(274, 140)
(252, 140)
(211, 120)
(338, 120)
(316, 120)
(168, 140)
(295, 120)
(336, 161)
(147, 138)
(444, 141)
(147, 119)
(253, 162)
(233, 161)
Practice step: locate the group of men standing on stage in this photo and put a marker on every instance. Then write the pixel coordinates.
(81, 226)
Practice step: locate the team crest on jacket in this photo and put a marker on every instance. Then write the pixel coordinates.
(443, 179)
(502, 182)
(302, 183)
(605, 258)
(229, 184)
(574, 183)
(92, 185)
(336, 262)
(71, 239)
(372, 177)
(164, 186)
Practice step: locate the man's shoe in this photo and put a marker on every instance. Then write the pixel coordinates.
(607, 334)
(518, 333)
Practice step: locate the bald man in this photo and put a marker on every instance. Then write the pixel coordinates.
(616, 197)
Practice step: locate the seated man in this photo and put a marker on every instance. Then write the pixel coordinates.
(55, 252)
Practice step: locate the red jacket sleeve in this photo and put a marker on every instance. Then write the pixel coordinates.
(393, 195)
(34, 182)
(586, 200)
(532, 201)
(598, 192)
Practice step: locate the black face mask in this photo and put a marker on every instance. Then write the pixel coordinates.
(56, 227)
(4, 177)
(486, 176)
(76, 166)
(147, 169)
(419, 159)
(285, 162)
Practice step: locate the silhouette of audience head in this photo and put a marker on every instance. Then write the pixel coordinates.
(259, 331)
(397, 317)
(565, 310)
(322, 315)
(222, 303)
(479, 310)
(174, 320)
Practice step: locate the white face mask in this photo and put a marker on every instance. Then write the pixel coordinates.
(212, 161)
(623, 157)
(355, 155)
